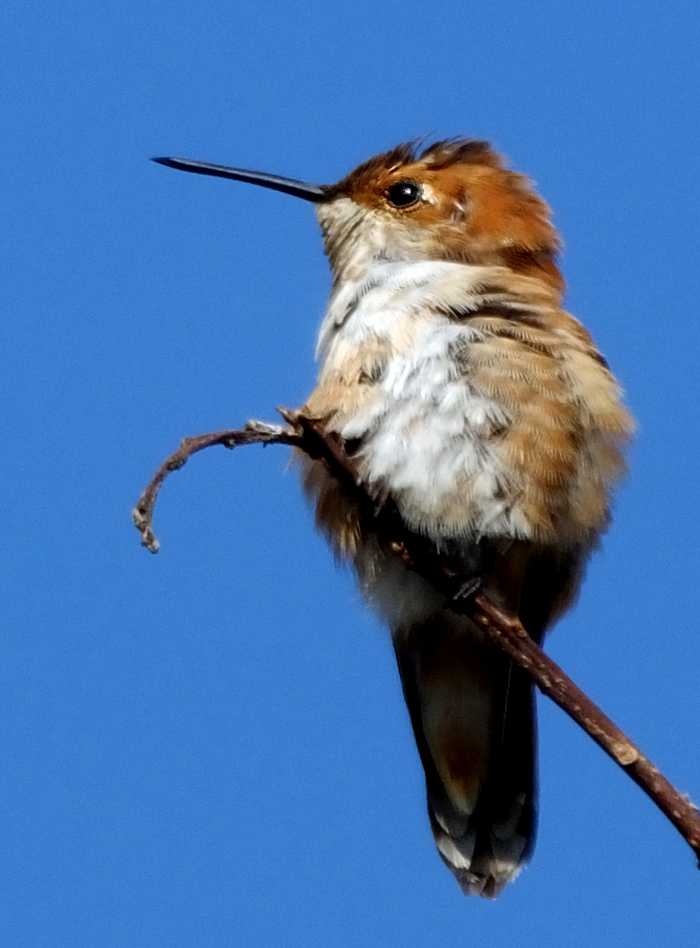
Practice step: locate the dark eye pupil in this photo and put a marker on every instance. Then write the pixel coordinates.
(403, 193)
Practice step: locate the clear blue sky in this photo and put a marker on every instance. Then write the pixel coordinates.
(209, 747)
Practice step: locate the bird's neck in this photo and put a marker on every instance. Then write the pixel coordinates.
(365, 297)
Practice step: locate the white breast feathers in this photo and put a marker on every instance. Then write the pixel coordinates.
(423, 430)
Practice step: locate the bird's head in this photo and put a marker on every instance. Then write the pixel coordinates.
(452, 200)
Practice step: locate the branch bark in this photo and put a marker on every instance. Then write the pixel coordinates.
(506, 632)
(253, 432)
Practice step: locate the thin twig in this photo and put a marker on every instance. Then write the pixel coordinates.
(254, 432)
(505, 631)
(508, 633)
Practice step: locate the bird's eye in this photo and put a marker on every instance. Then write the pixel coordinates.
(403, 193)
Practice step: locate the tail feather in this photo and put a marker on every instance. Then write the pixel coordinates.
(473, 717)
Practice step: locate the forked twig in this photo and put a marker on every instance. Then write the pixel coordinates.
(506, 632)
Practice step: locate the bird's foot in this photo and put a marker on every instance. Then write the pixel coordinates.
(467, 589)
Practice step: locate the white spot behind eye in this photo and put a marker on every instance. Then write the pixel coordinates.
(459, 211)
(428, 194)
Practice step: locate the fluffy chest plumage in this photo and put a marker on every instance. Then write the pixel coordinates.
(395, 382)
(477, 404)
(472, 399)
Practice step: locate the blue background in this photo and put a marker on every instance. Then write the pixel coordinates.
(209, 747)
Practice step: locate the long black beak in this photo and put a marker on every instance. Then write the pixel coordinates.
(300, 189)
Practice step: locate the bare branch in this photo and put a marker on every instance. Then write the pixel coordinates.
(254, 432)
(506, 632)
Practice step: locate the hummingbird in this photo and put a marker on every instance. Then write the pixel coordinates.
(466, 394)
